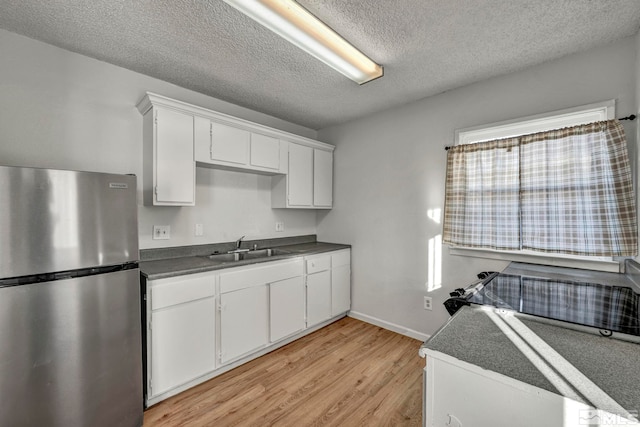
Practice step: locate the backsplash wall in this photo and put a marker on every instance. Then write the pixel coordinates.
(228, 205)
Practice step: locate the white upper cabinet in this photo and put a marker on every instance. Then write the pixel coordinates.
(226, 146)
(229, 144)
(265, 152)
(180, 136)
(300, 176)
(220, 144)
(322, 178)
(168, 167)
(309, 179)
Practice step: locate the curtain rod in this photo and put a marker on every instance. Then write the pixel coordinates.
(629, 117)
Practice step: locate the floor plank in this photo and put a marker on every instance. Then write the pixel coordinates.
(349, 373)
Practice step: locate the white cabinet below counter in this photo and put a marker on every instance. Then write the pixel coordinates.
(328, 279)
(245, 310)
(286, 303)
(181, 321)
(201, 325)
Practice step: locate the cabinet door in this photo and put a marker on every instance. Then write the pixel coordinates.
(182, 344)
(318, 297)
(300, 177)
(322, 178)
(340, 290)
(175, 169)
(286, 300)
(265, 151)
(229, 144)
(202, 139)
(244, 321)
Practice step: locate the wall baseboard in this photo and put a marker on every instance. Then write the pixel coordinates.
(390, 326)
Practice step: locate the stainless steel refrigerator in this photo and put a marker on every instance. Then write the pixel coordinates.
(70, 339)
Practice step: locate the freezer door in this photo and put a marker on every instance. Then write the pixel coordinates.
(54, 220)
(71, 352)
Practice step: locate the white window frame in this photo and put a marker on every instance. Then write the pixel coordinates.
(574, 116)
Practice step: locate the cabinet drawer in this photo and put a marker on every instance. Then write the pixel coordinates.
(341, 258)
(246, 277)
(318, 263)
(177, 290)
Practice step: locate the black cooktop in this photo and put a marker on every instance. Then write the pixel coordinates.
(602, 306)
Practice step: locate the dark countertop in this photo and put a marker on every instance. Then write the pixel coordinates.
(192, 260)
(472, 335)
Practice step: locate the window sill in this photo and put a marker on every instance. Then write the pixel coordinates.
(544, 259)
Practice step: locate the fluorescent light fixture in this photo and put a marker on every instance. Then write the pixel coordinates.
(294, 23)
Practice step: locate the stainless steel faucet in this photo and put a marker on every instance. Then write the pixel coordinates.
(239, 242)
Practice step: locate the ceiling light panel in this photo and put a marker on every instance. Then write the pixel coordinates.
(294, 23)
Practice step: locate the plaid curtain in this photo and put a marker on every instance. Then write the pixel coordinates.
(481, 197)
(562, 191)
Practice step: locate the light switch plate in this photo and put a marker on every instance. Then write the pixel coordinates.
(279, 226)
(161, 232)
(199, 230)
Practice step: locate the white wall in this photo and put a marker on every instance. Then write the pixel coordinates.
(390, 172)
(63, 110)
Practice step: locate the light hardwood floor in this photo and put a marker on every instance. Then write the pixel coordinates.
(349, 373)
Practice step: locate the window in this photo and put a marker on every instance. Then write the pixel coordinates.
(521, 187)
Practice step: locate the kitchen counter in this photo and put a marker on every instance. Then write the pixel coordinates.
(493, 339)
(169, 262)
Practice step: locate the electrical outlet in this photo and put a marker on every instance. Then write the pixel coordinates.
(428, 303)
(199, 231)
(279, 226)
(161, 232)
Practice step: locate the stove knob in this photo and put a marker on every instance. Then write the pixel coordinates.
(483, 275)
(457, 292)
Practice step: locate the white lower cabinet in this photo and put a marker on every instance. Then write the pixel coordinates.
(181, 321)
(458, 393)
(250, 298)
(328, 285)
(201, 325)
(286, 303)
(244, 321)
(318, 297)
(340, 282)
(183, 344)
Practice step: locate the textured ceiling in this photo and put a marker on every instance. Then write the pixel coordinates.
(426, 46)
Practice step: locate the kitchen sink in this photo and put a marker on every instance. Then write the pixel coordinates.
(246, 255)
(261, 253)
(231, 257)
